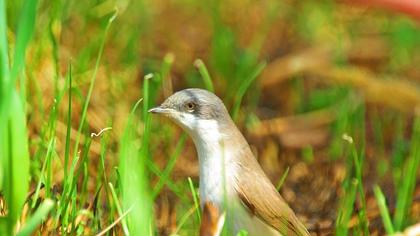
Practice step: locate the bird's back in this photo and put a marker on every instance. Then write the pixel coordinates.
(261, 198)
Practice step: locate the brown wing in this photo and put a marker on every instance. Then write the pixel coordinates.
(260, 196)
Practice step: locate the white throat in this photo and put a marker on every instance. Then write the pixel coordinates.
(214, 157)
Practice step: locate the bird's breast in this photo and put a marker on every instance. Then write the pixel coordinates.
(219, 167)
(216, 175)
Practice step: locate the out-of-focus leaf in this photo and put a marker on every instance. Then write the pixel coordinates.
(17, 165)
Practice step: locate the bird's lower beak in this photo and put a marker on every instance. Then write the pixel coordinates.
(160, 110)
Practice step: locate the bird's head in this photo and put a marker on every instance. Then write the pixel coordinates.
(195, 110)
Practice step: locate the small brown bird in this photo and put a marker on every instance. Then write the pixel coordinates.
(231, 180)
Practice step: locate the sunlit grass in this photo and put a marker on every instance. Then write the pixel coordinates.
(14, 163)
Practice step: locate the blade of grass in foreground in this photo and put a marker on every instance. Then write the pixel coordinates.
(4, 54)
(118, 206)
(14, 172)
(134, 180)
(24, 34)
(25, 30)
(37, 218)
(383, 209)
(407, 187)
(4, 70)
(195, 198)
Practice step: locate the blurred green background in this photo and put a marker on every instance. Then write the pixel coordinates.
(326, 92)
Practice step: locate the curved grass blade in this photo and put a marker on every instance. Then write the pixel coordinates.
(205, 74)
(244, 87)
(37, 218)
(383, 209)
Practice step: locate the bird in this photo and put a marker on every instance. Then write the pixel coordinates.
(231, 181)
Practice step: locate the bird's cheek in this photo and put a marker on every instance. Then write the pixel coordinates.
(180, 120)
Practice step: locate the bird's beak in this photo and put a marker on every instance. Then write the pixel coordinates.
(160, 110)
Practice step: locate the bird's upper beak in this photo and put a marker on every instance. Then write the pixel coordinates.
(160, 110)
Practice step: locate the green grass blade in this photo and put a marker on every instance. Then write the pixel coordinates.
(383, 209)
(41, 175)
(346, 208)
(172, 160)
(24, 33)
(14, 165)
(119, 209)
(92, 82)
(165, 69)
(244, 87)
(407, 187)
(166, 66)
(39, 216)
(68, 131)
(25, 30)
(17, 168)
(67, 190)
(171, 185)
(282, 179)
(120, 218)
(204, 74)
(4, 88)
(195, 198)
(184, 219)
(146, 99)
(134, 180)
(48, 171)
(358, 169)
(4, 55)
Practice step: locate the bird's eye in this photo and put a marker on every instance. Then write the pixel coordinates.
(190, 106)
